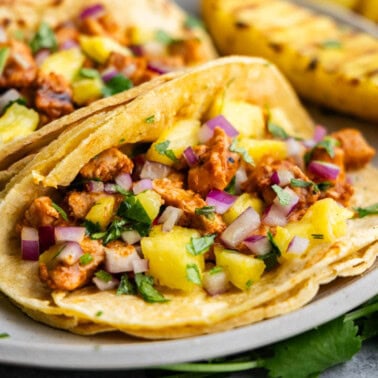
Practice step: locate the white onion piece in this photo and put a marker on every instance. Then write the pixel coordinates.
(124, 181)
(298, 245)
(74, 234)
(7, 97)
(110, 188)
(240, 178)
(120, 260)
(282, 177)
(95, 186)
(140, 266)
(131, 236)
(241, 227)
(29, 244)
(294, 147)
(102, 285)
(258, 244)
(293, 200)
(170, 217)
(152, 170)
(215, 283)
(274, 216)
(142, 185)
(70, 253)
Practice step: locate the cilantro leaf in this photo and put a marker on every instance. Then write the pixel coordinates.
(4, 335)
(271, 258)
(62, 213)
(103, 276)
(44, 39)
(162, 149)
(150, 119)
(369, 210)
(207, 211)
(116, 84)
(317, 236)
(85, 259)
(146, 289)
(89, 73)
(329, 145)
(192, 22)
(325, 185)
(114, 231)
(331, 44)
(283, 197)
(298, 183)
(198, 246)
(315, 350)
(277, 131)
(231, 187)
(193, 274)
(163, 37)
(4, 54)
(125, 286)
(241, 151)
(91, 228)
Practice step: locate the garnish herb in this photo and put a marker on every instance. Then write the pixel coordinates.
(85, 259)
(99, 313)
(207, 211)
(277, 131)
(89, 73)
(283, 197)
(192, 22)
(242, 151)
(369, 210)
(329, 144)
(298, 183)
(103, 276)
(62, 213)
(150, 119)
(193, 274)
(120, 190)
(198, 246)
(92, 229)
(4, 54)
(126, 286)
(271, 258)
(248, 284)
(4, 335)
(114, 231)
(332, 44)
(146, 289)
(231, 187)
(116, 84)
(323, 186)
(162, 149)
(215, 270)
(318, 236)
(44, 39)
(163, 37)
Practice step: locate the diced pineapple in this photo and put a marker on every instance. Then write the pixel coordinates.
(18, 121)
(48, 257)
(243, 270)
(182, 134)
(151, 202)
(101, 212)
(257, 149)
(169, 259)
(242, 202)
(86, 90)
(99, 48)
(66, 63)
(139, 36)
(279, 118)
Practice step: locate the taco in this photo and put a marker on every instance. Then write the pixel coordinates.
(56, 57)
(207, 203)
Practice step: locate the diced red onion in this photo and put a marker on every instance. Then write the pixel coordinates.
(221, 200)
(273, 216)
(241, 228)
(92, 11)
(8, 96)
(240, 178)
(319, 133)
(221, 121)
(190, 156)
(152, 170)
(108, 74)
(205, 133)
(142, 185)
(298, 245)
(258, 244)
(68, 44)
(124, 180)
(29, 244)
(215, 283)
(287, 209)
(281, 177)
(110, 188)
(137, 50)
(170, 217)
(157, 68)
(131, 236)
(74, 234)
(94, 186)
(324, 170)
(140, 266)
(41, 55)
(102, 285)
(46, 237)
(116, 262)
(70, 253)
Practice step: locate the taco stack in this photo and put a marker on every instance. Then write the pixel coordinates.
(207, 203)
(58, 57)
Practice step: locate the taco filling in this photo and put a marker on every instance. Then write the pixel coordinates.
(60, 69)
(212, 203)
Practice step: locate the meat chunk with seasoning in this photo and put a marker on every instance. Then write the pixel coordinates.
(63, 275)
(217, 165)
(107, 165)
(190, 50)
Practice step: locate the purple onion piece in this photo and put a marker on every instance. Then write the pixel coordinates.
(221, 200)
(258, 244)
(190, 156)
(142, 185)
(221, 121)
(319, 133)
(29, 243)
(94, 10)
(46, 237)
(324, 170)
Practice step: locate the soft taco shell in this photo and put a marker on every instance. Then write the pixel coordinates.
(186, 96)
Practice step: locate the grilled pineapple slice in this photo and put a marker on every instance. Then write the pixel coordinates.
(325, 62)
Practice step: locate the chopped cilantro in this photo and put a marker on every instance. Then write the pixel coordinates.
(215, 270)
(198, 246)
(163, 37)
(99, 313)
(120, 190)
(44, 39)
(150, 119)
(4, 335)
(125, 286)
(231, 187)
(116, 84)
(103, 276)
(207, 211)
(146, 289)
(193, 274)
(4, 54)
(85, 259)
(277, 131)
(317, 236)
(192, 22)
(89, 73)
(162, 149)
(298, 183)
(331, 44)
(283, 197)
(323, 186)
(369, 210)
(271, 258)
(92, 228)
(114, 231)
(329, 145)
(242, 151)
(248, 284)
(62, 213)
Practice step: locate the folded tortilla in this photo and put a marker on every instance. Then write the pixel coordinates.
(189, 95)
